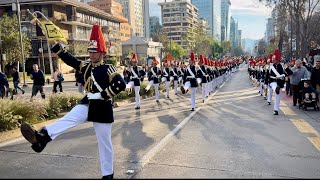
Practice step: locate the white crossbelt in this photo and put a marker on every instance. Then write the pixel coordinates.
(134, 73)
(191, 73)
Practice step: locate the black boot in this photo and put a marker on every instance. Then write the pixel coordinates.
(38, 140)
(108, 176)
(275, 113)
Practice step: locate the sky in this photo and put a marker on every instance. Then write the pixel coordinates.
(250, 14)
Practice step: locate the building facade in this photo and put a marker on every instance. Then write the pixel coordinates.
(234, 33)
(137, 12)
(114, 8)
(269, 34)
(143, 48)
(75, 19)
(179, 16)
(154, 24)
(225, 20)
(211, 11)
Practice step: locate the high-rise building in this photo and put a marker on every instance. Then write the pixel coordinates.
(179, 16)
(234, 33)
(154, 24)
(225, 20)
(239, 38)
(269, 34)
(211, 11)
(137, 12)
(114, 8)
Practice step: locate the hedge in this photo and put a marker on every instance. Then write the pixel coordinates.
(14, 112)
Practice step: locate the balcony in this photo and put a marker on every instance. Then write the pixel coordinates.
(74, 20)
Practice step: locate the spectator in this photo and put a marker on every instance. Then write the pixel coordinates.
(38, 81)
(16, 80)
(308, 91)
(4, 85)
(299, 72)
(79, 81)
(125, 74)
(58, 78)
(315, 76)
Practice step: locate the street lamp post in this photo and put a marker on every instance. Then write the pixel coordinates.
(21, 44)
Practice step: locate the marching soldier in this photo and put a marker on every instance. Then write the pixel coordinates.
(166, 77)
(134, 75)
(101, 84)
(201, 73)
(154, 76)
(181, 71)
(191, 81)
(209, 77)
(175, 75)
(276, 80)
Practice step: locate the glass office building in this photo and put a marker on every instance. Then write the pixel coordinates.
(211, 11)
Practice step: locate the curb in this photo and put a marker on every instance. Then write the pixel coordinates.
(15, 133)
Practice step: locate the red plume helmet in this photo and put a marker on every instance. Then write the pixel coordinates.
(201, 59)
(134, 58)
(277, 55)
(192, 56)
(155, 60)
(97, 43)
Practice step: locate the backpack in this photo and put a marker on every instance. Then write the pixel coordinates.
(60, 77)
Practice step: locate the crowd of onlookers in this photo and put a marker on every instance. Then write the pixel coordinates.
(303, 82)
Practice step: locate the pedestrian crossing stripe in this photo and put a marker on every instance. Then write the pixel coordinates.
(287, 111)
(315, 141)
(303, 126)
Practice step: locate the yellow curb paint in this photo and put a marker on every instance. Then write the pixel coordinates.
(288, 111)
(303, 126)
(315, 141)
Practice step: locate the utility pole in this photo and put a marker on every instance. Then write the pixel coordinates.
(21, 43)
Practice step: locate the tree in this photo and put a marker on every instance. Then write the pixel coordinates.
(270, 48)
(216, 49)
(237, 51)
(177, 51)
(302, 13)
(11, 40)
(156, 33)
(262, 45)
(226, 46)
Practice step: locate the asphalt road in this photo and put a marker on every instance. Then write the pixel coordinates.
(233, 135)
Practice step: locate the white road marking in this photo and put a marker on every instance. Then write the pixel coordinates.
(147, 157)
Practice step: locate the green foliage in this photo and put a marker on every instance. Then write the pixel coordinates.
(10, 38)
(271, 47)
(62, 102)
(14, 112)
(177, 51)
(226, 46)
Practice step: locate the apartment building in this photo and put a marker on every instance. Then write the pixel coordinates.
(178, 16)
(75, 19)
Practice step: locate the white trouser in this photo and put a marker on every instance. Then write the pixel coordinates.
(277, 96)
(193, 97)
(167, 88)
(260, 87)
(265, 89)
(208, 88)
(156, 90)
(175, 83)
(137, 95)
(130, 85)
(187, 85)
(149, 85)
(77, 116)
(80, 88)
(204, 86)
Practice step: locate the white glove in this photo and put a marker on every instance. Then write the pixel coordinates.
(281, 76)
(95, 96)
